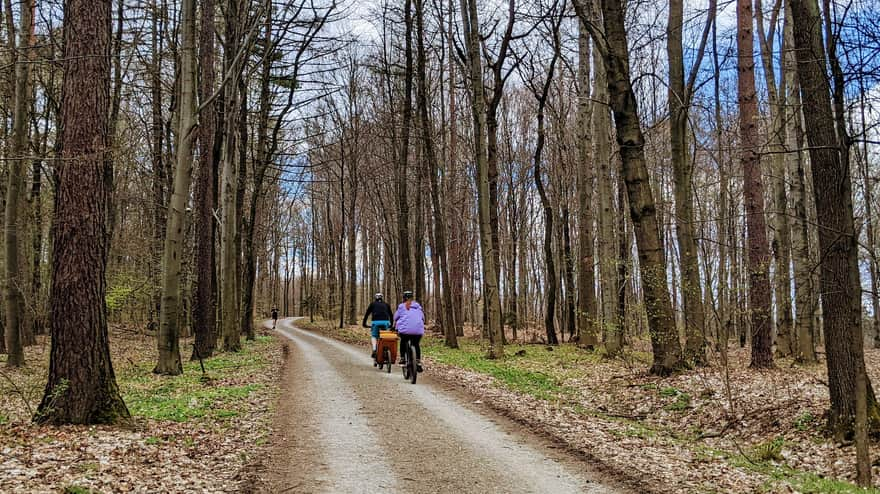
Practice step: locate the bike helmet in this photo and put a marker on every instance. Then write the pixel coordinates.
(378, 296)
(407, 295)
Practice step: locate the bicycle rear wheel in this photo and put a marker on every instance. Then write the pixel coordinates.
(386, 356)
(404, 354)
(413, 367)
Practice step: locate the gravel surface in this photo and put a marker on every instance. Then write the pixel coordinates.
(344, 426)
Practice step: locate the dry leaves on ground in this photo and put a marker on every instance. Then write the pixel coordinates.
(187, 434)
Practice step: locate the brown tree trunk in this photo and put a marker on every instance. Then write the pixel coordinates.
(612, 326)
(832, 190)
(403, 219)
(759, 252)
(586, 301)
(168, 340)
(491, 296)
(159, 178)
(439, 241)
(568, 259)
(640, 198)
(14, 192)
(204, 304)
(679, 96)
(781, 244)
(81, 388)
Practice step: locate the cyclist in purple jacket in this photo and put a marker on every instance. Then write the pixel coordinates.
(410, 323)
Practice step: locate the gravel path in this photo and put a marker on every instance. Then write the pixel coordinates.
(345, 427)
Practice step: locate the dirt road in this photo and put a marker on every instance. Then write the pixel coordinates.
(345, 427)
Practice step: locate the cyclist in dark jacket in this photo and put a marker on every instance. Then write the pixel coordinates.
(381, 313)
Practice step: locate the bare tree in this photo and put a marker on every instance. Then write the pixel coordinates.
(14, 189)
(612, 44)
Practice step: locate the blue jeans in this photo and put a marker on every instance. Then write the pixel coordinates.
(377, 325)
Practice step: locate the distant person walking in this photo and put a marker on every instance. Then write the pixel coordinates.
(274, 316)
(410, 323)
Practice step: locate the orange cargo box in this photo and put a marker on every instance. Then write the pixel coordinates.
(387, 335)
(391, 345)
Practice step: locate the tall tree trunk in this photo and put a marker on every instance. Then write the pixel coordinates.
(240, 193)
(640, 198)
(805, 298)
(229, 263)
(683, 170)
(81, 388)
(264, 155)
(725, 261)
(403, 219)
(586, 320)
(781, 231)
(832, 190)
(871, 239)
(569, 273)
(15, 184)
(204, 306)
(759, 252)
(439, 241)
(169, 332)
(37, 237)
(157, 156)
(491, 296)
(552, 283)
(608, 259)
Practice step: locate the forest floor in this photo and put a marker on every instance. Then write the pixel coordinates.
(189, 433)
(705, 430)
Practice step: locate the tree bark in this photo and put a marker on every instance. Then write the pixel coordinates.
(403, 219)
(81, 388)
(759, 254)
(157, 137)
(487, 246)
(679, 99)
(832, 190)
(14, 187)
(439, 244)
(586, 301)
(169, 331)
(612, 327)
(640, 198)
(204, 306)
(781, 245)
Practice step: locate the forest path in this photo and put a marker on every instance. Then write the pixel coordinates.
(345, 427)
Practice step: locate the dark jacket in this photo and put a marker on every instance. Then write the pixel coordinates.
(379, 310)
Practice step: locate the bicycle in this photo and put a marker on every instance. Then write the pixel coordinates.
(410, 364)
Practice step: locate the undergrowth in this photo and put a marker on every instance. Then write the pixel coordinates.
(192, 395)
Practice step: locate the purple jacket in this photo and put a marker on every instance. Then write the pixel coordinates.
(410, 321)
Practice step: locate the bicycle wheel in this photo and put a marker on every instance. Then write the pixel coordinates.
(405, 355)
(413, 367)
(386, 356)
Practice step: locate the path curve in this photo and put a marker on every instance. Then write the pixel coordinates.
(345, 427)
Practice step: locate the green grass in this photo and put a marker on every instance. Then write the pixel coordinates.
(347, 334)
(535, 371)
(75, 489)
(192, 395)
(543, 374)
(779, 474)
(804, 422)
